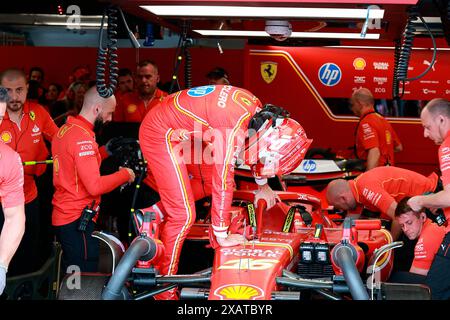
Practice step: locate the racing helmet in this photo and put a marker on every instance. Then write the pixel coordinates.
(269, 111)
(278, 146)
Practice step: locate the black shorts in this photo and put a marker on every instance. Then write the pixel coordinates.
(438, 278)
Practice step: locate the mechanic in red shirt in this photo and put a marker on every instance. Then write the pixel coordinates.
(435, 117)
(12, 221)
(220, 116)
(376, 140)
(125, 83)
(379, 190)
(415, 225)
(77, 180)
(133, 106)
(24, 128)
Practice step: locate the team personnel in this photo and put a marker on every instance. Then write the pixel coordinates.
(12, 221)
(25, 126)
(219, 116)
(435, 119)
(77, 180)
(133, 106)
(379, 190)
(376, 140)
(218, 76)
(415, 225)
(125, 82)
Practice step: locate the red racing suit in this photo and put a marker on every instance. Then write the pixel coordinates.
(216, 114)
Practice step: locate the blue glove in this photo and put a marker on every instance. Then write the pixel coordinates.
(2, 278)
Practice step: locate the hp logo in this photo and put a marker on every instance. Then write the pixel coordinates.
(330, 74)
(309, 166)
(201, 91)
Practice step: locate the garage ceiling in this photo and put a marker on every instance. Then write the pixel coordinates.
(389, 28)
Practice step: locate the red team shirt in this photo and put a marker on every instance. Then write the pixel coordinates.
(27, 140)
(76, 171)
(378, 188)
(374, 131)
(11, 177)
(131, 108)
(444, 163)
(427, 245)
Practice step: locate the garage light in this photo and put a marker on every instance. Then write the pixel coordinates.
(314, 35)
(264, 12)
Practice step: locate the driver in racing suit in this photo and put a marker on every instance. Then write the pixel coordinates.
(218, 116)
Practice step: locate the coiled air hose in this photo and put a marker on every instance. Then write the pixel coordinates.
(183, 47)
(406, 46)
(395, 81)
(403, 54)
(187, 67)
(107, 58)
(178, 58)
(107, 55)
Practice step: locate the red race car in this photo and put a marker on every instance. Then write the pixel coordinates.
(294, 251)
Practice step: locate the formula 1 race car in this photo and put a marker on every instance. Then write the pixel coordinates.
(311, 176)
(294, 251)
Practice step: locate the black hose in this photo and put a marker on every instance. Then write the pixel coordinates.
(395, 81)
(142, 246)
(154, 292)
(107, 57)
(345, 261)
(433, 59)
(132, 224)
(182, 48)
(183, 279)
(187, 67)
(178, 59)
(407, 43)
(406, 48)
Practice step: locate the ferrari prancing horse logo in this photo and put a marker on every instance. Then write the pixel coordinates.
(269, 71)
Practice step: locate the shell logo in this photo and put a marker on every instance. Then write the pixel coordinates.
(239, 292)
(359, 64)
(131, 108)
(6, 136)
